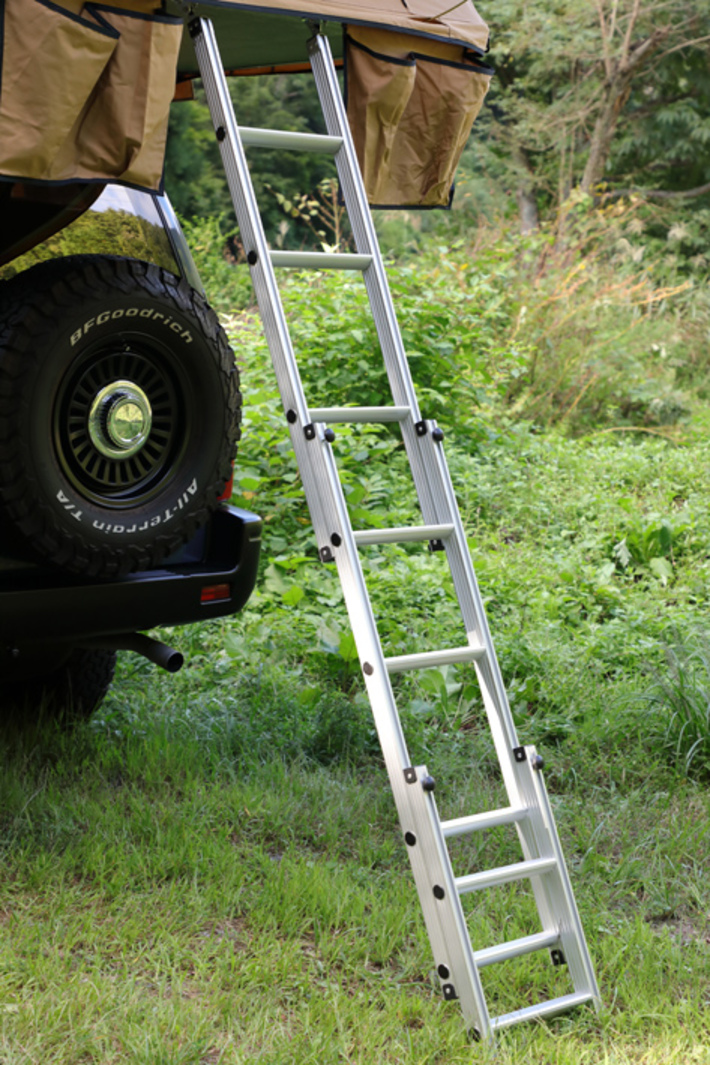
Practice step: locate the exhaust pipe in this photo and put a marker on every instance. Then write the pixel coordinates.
(155, 651)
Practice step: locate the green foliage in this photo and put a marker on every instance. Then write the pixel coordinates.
(596, 316)
(579, 543)
(653, 542)
(193, 174)
(556, 64)
(665, 140)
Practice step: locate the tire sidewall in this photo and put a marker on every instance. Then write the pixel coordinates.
(93, 324)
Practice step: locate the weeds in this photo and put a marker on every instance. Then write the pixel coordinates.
(680, 703)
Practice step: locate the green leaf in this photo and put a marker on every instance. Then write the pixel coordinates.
(294, 595)
(621, 553)
(347, 647)
(662, 569)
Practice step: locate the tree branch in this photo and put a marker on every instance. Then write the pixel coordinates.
(614, 13)
(684, 44)
(606, 37)
(639, 54)
(629, 30)
(656, 194)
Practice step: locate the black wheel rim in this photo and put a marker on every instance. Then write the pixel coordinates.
(136, 478)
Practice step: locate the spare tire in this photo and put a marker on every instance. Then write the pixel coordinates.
(119, 412)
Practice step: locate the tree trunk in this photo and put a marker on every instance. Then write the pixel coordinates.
(617, 93)
(527, 205)
(620, 74)
(525, 192)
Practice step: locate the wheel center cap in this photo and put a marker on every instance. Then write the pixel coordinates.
(120, 420)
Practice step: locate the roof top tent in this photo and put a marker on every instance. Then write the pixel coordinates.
(85, 89)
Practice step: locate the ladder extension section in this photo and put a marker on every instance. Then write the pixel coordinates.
(457, 963)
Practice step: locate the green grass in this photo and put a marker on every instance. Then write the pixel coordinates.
(166, 901)
(211, 871)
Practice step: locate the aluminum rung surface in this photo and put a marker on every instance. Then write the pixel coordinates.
(320, 260)
(515, 948)
(543, 1009)
(358, 415)
(316, 143)
(402, 535)
(461, 826)
(400, 663)
(505, 874)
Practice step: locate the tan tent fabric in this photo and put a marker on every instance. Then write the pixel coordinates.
(411, 113)
(449, 19)
(85, 88)
(86, 96)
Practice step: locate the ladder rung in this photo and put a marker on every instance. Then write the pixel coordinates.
(295, 142)
(398, 663)
(460, 826)
(405, 534)
(542, 1009)
(352, 415)
(515, 948)
(320, 260)
(505, 874)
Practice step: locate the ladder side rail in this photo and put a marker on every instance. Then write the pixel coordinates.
(375, 276)
(358, 209)
(375, 675)
(438, 503)
(315, 457)
(262, 272)
(436, 495)
(495, 698)
(553, 893)
(247, 212)
(538, 833)
(441, 904)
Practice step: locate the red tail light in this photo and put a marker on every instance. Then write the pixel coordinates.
(215, 593)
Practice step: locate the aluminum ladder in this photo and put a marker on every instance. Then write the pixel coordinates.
(457, 964)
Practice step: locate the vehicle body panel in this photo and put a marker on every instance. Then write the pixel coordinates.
(38, 605)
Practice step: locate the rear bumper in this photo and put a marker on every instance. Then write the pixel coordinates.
(37, 606)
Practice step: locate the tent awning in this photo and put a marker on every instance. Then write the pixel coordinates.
(262, 34)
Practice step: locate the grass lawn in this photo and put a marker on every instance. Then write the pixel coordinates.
(164, 902)
(210, 870)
